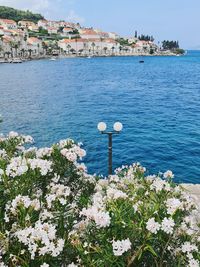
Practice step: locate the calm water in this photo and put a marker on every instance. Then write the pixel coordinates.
(157, 102)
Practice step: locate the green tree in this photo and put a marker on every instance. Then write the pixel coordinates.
(93, 46)
(17, 15)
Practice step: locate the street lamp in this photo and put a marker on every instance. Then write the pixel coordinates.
(117, 129)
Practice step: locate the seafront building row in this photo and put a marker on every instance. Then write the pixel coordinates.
(28, 39)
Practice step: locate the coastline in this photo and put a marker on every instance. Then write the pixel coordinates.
(21, 60)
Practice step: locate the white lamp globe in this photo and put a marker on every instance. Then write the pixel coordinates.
(118, 126)
(101, 126)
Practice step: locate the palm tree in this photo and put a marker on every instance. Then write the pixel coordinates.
(120, 49)
(1, 49)
(22, 52)
(101, 39)
(45, 47)
(93, 46)
(16, 46)
(84, 47)
(97, 49)
(30, 52)
(38, 48)
(113, 49)
(76, 46)
(68, 48)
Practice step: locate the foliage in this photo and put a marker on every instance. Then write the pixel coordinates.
(170, 45)
(43, 31)
(54, 214)
(17, 15)
(42, 192)
(151, 52)
(134, 220)
(180, 51)
(143, 37)
(123, 42)
(75, 31)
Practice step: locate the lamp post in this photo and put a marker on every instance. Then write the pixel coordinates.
(117, 129)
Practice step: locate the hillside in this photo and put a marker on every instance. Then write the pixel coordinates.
(14, 14)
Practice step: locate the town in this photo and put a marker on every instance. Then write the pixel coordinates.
(26, 39)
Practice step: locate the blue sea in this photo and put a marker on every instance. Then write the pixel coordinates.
(158, 103)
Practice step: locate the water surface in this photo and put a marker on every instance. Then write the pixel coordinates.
(157, 102)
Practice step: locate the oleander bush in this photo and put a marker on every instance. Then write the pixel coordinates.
(54, 214)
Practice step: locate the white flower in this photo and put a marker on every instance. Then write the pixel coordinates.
(17, 167)
(173, 204)
(44, 265)
(153, 226)
(69, 155)
(13, 134)
(119, 247)
(101, 218)
(188, 247)
(115, 194)
(158, 184)
(136, 205)
(72, 265)
(46, 151)
(42, 239)
(168, 174)
(167, 225)
(3, 153)
(43, 165)
(193, 263)
(28, 139)
(65, 142)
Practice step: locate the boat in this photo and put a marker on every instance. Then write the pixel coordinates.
(52, 59)
(89, 57)
(141, 61)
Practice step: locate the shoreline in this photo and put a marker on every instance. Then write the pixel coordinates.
(194, 191)
(22, 60)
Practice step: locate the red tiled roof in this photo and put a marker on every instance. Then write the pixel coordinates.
(8, 21)
(89, 32)
(68, 29)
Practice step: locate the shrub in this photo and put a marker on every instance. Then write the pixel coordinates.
(53, 213)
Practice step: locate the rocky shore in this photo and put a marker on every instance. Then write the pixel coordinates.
(194, 190)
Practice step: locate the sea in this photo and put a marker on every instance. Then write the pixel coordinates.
(158, 103)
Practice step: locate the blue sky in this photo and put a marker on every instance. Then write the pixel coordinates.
(169, 19)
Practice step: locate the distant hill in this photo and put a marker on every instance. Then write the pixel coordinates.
(15, 14)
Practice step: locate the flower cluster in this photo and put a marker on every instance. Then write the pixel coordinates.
(42, 239)
(53, 213)
(120, 247)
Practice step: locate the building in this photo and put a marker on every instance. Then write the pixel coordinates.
(34, 44)
(89, 46)
(89, 34)
(43, 23)
(52, 30)
(67, 30)
(113, 35)
(8, 24)
(26, 24)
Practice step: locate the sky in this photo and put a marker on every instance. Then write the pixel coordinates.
(164, 19)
